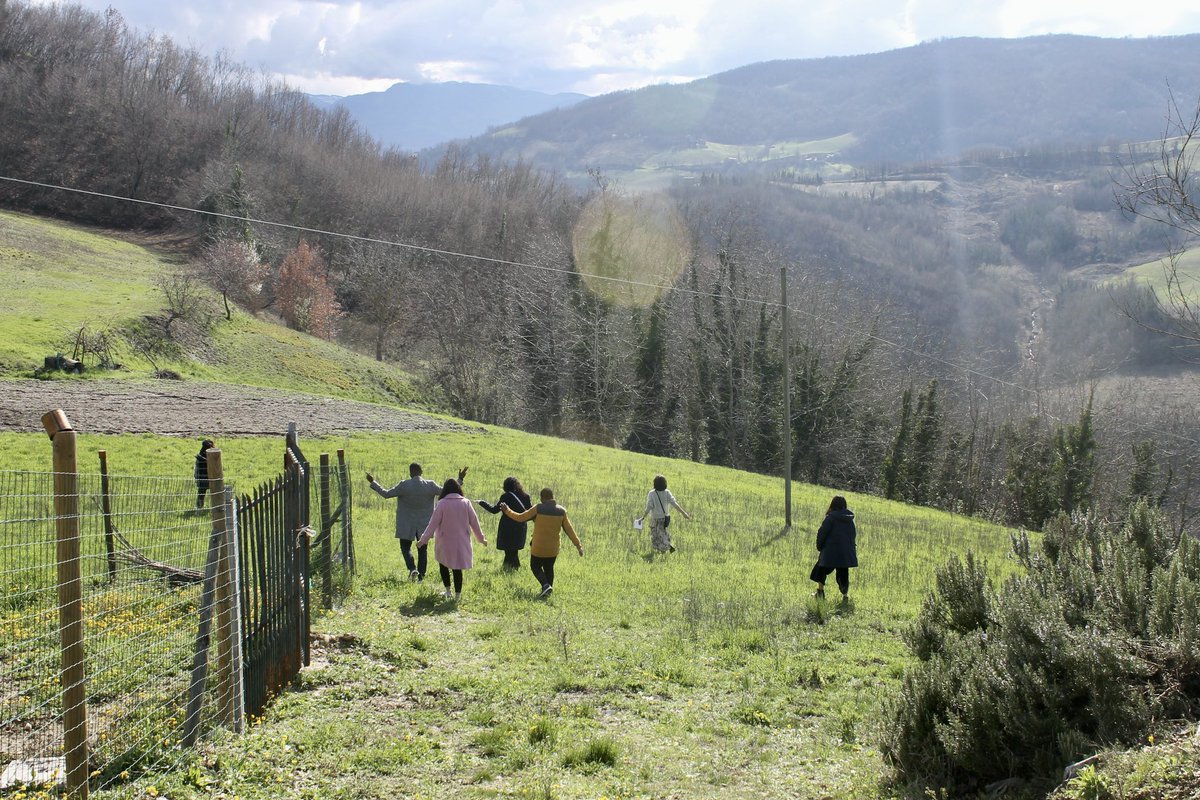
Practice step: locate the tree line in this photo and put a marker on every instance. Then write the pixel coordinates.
(906, 373)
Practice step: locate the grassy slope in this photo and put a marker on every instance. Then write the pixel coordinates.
(711, 671)
(1153, 273)
(89, 279)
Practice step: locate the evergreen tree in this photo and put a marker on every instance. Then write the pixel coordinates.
(1029, 474)
(653, 406)
(1075, 462)
(768, 379)
(893, 463)
(925, 440)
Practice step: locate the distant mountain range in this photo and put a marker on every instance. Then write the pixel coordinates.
(931, 101)
(414, 116)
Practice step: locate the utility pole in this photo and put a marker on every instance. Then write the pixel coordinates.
(787, 403)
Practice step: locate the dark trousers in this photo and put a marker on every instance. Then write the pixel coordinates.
(446, 578)
(543, 569)
(512, 559)
(201, 488)
(422, 557)
(820, 573)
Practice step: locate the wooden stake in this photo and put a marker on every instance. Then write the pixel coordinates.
(70, 601)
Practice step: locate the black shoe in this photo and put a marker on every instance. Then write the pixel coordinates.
(670, 548)
(819, 594)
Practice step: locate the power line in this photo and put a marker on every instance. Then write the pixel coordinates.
(557, 270)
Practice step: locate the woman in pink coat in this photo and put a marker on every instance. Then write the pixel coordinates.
(450, 527)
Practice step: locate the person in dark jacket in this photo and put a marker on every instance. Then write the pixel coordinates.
(835, 542)
(200, 471)
(510, 534)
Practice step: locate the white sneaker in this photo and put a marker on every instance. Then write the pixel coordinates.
(458, 597)
(413, 575)
(448, 594)
(546, 590)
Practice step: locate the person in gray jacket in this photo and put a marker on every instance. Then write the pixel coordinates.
(836, 545)
(415, 501)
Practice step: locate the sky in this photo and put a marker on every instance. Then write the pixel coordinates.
(598, 46)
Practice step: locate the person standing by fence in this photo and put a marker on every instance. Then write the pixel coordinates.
(510, 534)
(549, 521)
(659, 503)
(836, 545)
(415, 500)
(453, 522)
(200, 471)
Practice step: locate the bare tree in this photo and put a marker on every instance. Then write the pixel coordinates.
(233, 269)
(380, 284)
(185, 297)
(1164, 190)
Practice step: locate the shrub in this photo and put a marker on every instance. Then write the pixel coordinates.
(1093, 644)
(603, 751)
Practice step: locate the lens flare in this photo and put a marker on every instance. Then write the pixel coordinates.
(630, 250)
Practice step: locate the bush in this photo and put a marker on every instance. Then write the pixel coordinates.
(1092, 645)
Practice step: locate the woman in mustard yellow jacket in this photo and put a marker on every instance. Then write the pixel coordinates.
(549, 521)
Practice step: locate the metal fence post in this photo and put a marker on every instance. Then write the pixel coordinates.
(326, 546)
(346, 499)
(106, 509)
(234, 557)
(70, 601)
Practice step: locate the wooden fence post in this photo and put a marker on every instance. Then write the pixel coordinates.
(346, 500)
(326, 536)
(222, 599)
(70, 601)
(106, 508)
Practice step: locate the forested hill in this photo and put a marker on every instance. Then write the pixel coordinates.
(925, 102)
(413, 116)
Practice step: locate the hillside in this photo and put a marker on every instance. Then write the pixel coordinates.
(58, 280)
(413, 116)
(932, 101)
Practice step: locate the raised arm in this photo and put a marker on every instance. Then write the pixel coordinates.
(392, 492)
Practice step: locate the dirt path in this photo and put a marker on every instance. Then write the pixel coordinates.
(173, 408)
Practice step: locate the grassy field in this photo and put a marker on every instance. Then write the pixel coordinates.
(1154, 274)
(92, 280)
(706, 673)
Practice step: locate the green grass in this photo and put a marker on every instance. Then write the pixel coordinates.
(1153, 274)
(55, 278)
(707, 673)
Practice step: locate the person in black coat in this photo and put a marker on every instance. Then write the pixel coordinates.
(200, 471)
(835, 542)
(510, 535)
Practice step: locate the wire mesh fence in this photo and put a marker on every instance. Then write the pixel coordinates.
(142, 565)
(173, 601)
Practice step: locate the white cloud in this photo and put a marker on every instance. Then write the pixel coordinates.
(600, 45)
